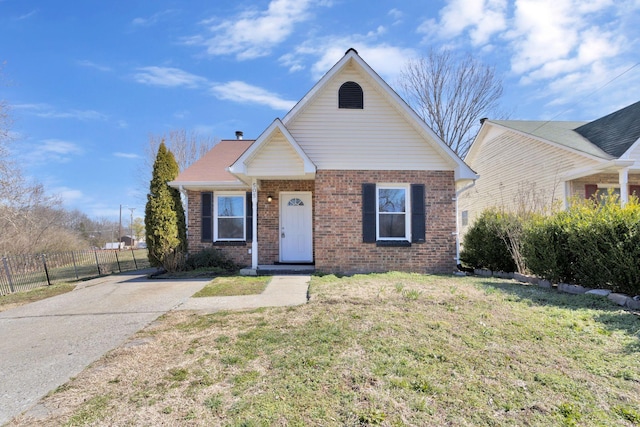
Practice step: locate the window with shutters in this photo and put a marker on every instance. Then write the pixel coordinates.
(229, 220)
(350, 96)
(393, 214)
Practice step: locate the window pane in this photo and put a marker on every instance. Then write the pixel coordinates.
(392, 225)
(230, 228)
(230, 206)
(391, 200)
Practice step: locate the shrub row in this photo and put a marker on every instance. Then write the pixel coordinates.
(595, 245)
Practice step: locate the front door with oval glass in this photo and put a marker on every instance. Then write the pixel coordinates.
(296, 230)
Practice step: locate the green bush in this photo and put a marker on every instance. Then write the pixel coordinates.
(210, 258)
(545, 248)
(595, 245)
(485, 245)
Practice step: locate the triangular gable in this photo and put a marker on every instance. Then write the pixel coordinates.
(351, 57)
(275, 154)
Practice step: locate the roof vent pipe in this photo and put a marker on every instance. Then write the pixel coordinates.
(239, 134)
(482, 120)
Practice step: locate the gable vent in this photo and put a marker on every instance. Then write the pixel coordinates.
(350, 96)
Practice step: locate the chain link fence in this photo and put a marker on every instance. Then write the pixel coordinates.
(24, 272)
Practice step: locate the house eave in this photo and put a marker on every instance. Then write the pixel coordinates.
(612, 166)
(209, 185)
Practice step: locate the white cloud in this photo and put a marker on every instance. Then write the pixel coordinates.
(151, 20)
(396, 15)
(247, 94)
(253, 33)
(481, 19)
(127, 155)
(569, 46)
(91, 64)
(386, 60)
(168, 77)
(47, 111)
(68, 195)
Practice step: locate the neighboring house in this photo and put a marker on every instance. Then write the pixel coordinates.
(541, 165)
(351, 180)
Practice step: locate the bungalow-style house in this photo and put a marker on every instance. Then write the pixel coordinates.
(542, 165)
(350, 180)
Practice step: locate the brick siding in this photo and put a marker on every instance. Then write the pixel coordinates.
(337, 224)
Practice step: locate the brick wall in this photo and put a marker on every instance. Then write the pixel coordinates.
(338, 224)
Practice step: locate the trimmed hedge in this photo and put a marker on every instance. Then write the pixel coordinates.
(595, 245)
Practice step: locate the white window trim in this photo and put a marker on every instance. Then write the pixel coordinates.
(407, 211)
(215, 215)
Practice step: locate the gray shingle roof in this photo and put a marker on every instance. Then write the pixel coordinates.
(559, 132)
(615, 132)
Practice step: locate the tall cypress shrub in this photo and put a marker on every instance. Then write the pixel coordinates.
(165, 225)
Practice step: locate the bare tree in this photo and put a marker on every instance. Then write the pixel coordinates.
(187, 147)
(451, 95)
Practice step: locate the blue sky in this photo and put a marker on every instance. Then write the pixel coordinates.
(88, 81)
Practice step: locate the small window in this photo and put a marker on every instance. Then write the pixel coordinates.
(350, 96)
(229, 217)
(393, 205)
(465, 218)
(296, 202)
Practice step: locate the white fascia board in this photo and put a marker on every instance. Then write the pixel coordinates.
(201, 185)
(240, 165)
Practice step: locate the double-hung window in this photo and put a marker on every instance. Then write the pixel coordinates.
(393, 203)
(229, 221)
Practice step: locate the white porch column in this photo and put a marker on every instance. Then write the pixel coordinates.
(623, 180)
(254, 225)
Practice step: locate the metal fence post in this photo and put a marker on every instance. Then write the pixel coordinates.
(75, 267)
(97, 262)
(118, 262)
(135, 263)
(46, 270)
(6, 268)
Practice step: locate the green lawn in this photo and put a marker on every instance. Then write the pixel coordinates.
(388, 349)
(236, 285)
(32, 295)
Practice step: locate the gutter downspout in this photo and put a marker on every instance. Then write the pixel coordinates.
(457, 233)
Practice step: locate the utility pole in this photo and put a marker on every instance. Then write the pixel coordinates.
(131, 226)
(120, 228)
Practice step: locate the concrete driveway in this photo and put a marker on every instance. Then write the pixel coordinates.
(44, 344)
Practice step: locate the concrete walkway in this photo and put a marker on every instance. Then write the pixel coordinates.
(281, 291)
(46, 343)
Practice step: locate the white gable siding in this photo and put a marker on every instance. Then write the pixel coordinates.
(377, 137)
(276, 158)
(634, 154)
(517, 170)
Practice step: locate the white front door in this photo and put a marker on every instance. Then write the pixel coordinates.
(296, 236)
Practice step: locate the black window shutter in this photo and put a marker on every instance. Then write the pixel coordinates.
(206, 231)
(369, 213)
(249, 217)
(418, 214)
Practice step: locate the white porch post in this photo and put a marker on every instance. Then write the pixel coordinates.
(254, 225)
(623, 179)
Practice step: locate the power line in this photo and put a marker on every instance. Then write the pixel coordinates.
(588, 95)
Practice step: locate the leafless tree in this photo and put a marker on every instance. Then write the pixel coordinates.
(451, 95)
(186, 146)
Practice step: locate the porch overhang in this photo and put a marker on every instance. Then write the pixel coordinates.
(611, 166)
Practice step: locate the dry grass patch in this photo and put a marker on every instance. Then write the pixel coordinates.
(25, 297)
(391, 349)
(230, 286)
